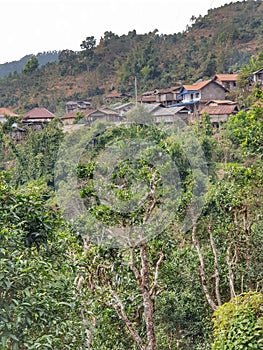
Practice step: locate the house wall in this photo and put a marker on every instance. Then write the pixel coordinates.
(195, 96)
(170, 119)
(258, 78)
(219, 118)
(213, 91)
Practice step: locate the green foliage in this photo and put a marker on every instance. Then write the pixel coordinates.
(36, 157)
(39, 308)
(245, 129)
(31, 65)
(238, 324)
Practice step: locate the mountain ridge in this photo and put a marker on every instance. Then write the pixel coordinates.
(219, 42)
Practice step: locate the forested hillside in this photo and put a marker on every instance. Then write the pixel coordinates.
(135, 236)
(219, 42)
(17, 66)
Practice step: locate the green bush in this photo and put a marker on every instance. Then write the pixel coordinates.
(238, 324)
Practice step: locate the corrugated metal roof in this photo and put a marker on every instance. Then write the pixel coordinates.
(222, 102)
(219, 110)
(168, 111)
(150, 107)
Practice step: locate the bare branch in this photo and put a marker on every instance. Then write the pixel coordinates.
(133, 268)
(153, 290)
(202, 270)
(151, 193)
(120, 310)
(216, 265)
(231, 276)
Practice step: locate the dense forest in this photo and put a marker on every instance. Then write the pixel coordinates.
(219, 42)
(138, 236)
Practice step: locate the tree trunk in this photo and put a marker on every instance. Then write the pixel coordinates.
(148, 303)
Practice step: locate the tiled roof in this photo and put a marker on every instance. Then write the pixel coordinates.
(7, 111)
(89, 112)
(219, 110)
(69, 115)
(39, 113)
(197, 86)
(227, 77)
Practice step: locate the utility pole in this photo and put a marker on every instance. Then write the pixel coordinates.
(136, 90)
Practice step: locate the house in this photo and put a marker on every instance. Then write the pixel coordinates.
(103, 115)
(229, 81)
(124, 108)
(6, 112)
(169, 115)
(77, 105)
(167, 96)
(166, 115)
(115, 96)
(37, 117)
(219, 111)
(258, 77)
(164, 96)
(68, 118)
(17, 133)
(147, 97)
(198, 94)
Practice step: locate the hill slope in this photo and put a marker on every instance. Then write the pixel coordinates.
(17, 66)
(218, 42)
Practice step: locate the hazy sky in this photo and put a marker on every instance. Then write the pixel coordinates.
(33, 26)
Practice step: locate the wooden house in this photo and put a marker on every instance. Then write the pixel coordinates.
(117, 96)
(77, 105)
(258, 77)
(166, 97)
(169, 115)
(197, 95)
(219, 111)
(103, 115)
(37, 117)
(229, 81)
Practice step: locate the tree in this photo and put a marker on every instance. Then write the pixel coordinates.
(127, 179)
(245, 129)
(225, 235)
(31, 65)
(88, 45)
(39, 307)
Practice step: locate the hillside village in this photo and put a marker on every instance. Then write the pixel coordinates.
(118, 231)
(187, 102)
